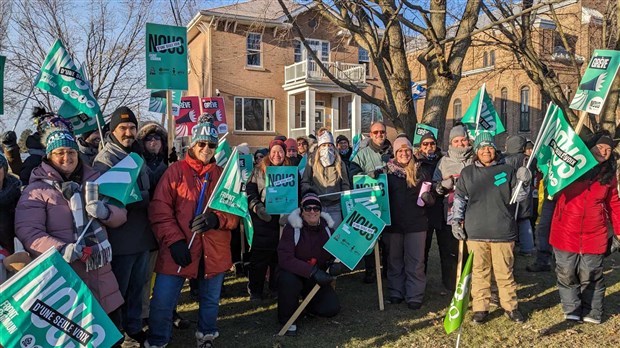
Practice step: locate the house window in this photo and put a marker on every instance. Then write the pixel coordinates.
(253, 48)
(320, 48)
(485, 60)
(503, 106)
(325, 51)
(492, 57)
(254, 114)
(297, 47)
(364, 58)
(456, 111)
(524, 119)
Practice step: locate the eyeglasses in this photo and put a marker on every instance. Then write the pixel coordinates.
(314, 208)
(378, 132)
(203, 144)
(152, 137)
(428, 143)
(69, 153)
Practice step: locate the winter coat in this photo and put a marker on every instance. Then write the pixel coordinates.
(451, 165)
(407, 216)
(44, 220)
(427, 167)
(346, 158)
(329, 181)
(371, 158)
(87, 152)
(171, 211)
(9, 195)
(582, 213)
(135, 236)
(296, 258)
(156, 163)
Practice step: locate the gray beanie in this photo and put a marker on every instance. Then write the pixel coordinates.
(458, 131)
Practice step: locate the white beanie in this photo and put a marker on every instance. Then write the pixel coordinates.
(326, 138)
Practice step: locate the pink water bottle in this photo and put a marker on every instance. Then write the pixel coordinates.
(426, 186)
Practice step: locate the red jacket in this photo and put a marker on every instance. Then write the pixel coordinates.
(582, 214)
(171, 211)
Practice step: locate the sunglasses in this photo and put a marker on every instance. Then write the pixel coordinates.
(314, 208)
(429, 143)
(378, 132)
(152, 137)
(203, 144)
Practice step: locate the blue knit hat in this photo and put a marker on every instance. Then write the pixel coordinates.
(484, 139)
(58, 132)
(204, 131)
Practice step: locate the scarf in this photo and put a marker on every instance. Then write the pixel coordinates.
(327, 155)
(94, 242)
(396, 169)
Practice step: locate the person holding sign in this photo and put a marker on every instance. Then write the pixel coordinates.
(52, 213)
(405, 239)
(579, 237)
(303, 261)
(266, 226)
(327, 174)
(190, 236)
(483, 216)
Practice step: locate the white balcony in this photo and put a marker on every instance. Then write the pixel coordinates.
(308, 72)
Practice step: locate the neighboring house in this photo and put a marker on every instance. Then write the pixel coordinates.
(249, 54)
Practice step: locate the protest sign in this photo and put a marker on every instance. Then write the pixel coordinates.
(189, 111)
(246, 165)
(157, 102)
(482, 112)
(222, 152)
(281, 184)
(421, 130)
(460, 300)
(228, 195)
(376, 200)
(46, 304)
(596, 81)
(215, 106)
(166, 57)
(355, 235)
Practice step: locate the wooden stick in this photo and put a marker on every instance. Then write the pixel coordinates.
(378, 274)
(171, 127)
(459, 264)
(300, 309)
(582, 119)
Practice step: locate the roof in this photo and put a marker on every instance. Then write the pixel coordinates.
(269, 10)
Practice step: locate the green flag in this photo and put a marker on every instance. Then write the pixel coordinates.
(222, 152)
(120, 181)
(228, 195)
(281, 184)
(46, 304)
(460, 300)
(62, 78)
(484, 112)
(2, 61)
(357, 140)
(563, 157)
(249, 229)
(81, 122)
(302, 164)
(596, 81)
(246, 164)
(421, 130)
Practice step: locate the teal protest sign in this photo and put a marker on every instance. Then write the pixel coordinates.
(2, 61)
(157, 102)
(166, 57)
(376, 200)
(596, 81)
(421, 130)
(355, 235)
(281, 184)
(302, 164)
(246, 165)
(46, 304)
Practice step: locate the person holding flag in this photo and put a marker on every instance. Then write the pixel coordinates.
(194, 241)
(483, 216)
(52, 213)
(579, 236)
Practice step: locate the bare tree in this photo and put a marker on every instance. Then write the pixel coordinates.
(611, 40)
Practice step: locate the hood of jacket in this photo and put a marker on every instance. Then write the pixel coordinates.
(294, 218)
(154, 127)
(515, 144)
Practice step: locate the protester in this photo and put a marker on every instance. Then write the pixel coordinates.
(367, 161)
(405, 238)
(9, 195)
(344, 149)
(51, 213)
(303, 262)
(259, 155)
(515, 157)
(131, 242)
(579, 236)
(291, 151)
(326, 174)
(177, 213)
(266, 227)
(483, 216)
(302, 146)
(88, 144)
(153, 138)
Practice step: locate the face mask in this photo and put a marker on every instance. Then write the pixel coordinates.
(327, 156)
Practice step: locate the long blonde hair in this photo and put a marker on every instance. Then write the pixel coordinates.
(317, 166)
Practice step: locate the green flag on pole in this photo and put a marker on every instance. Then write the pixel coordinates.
(120, 181)
(228, 195)
(249, 229)
(460, 300)
(46, 304)
(2, 62)
(222, 152)
(356, 141)
(483, 112)
(301, 167)
(81, 122)
(596, 81)
(421, 130)
(563, 157)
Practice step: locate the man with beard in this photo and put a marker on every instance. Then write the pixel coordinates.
(132, 241)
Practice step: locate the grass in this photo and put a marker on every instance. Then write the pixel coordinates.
(361, 324)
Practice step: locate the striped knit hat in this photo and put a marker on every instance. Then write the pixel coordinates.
(58, 132)
(484, 139)
(310, 198)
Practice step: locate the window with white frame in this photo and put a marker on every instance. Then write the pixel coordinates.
(364, 58)
(253, 49)
(254, 114)
(298, 51)
(318, 105)
(524, 120)
(320, 48)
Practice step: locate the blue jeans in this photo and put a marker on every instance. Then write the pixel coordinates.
(526, 236)
(164, 301)
(130, 272)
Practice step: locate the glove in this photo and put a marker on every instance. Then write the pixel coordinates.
(9, 138)
(73, 252)
(320, 276)
(260, 210)
(524, 174)
(457, 230)
(428, 199)
(173, 156)
(98, 210)
(336, 269)
(375, 173)
(283, 219)
(180, 253)
(448, 183)
(204, 222)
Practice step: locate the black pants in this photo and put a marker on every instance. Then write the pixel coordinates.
(235, 244)
(448, 254)
(260, 261)
(325, 303)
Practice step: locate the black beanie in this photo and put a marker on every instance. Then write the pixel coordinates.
(342, 137)
(605, 139)
(121, 115)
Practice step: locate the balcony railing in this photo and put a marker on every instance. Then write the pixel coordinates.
(310, 71)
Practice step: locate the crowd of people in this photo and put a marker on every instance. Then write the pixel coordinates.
(460, 196)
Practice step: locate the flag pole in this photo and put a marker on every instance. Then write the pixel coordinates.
(25, 102)
(458, 337)
(360, 190)
(482, 92)
(171, 126)
(459, 263)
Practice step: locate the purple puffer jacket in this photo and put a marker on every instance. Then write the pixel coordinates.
(43, 220)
